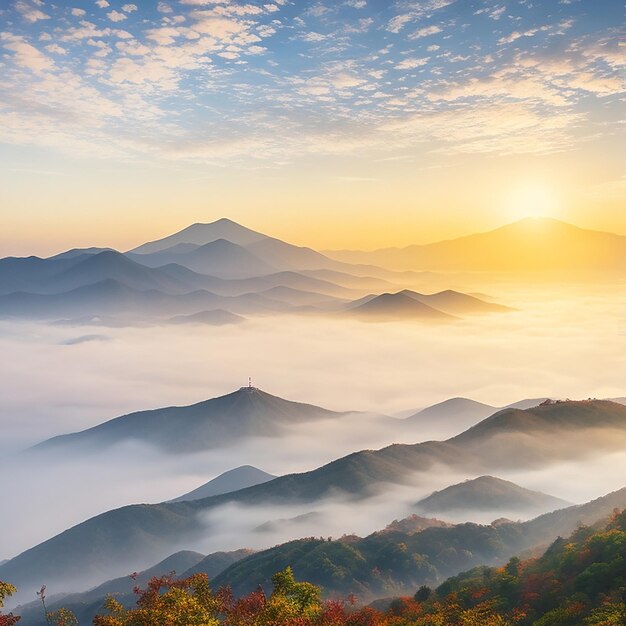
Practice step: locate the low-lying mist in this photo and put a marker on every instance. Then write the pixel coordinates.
(54, 381)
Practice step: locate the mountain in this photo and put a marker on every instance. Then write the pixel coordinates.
(107, 544)
(394, 306)
(248, 412)
(189, 248)
(456, 303)
(490, 494)
(221, 258)
(215, 317)
(574, 582)
(201, 234)
(399, 560)
(530, 245)
(233, 480)
(459, 413)
(299, 298)
(111, 265)
(79, 252)
(549, 416)
(23, 273)
(111, 297)
(87, 604)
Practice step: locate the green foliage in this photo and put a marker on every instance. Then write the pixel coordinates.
(576, 581)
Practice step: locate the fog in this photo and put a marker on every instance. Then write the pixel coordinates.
(58, 379)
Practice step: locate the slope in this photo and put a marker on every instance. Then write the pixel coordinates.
(487, 493)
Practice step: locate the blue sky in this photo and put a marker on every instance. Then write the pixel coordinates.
(217, 88)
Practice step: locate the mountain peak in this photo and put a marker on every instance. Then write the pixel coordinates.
(245, 412)
(489, 493)
(203, 233)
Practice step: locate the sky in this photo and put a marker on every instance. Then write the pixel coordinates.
(353, 124)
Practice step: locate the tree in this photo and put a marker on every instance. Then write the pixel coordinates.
(7, 590)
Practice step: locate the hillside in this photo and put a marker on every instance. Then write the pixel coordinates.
(89, 603)
(396, 562)
(99, 548)
(487, 493)
(459, 413)
(233, 480)
(244, 413)
(578, 580)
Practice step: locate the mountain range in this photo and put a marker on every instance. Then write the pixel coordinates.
(511, 438)
(530, 245)
(395, 560)
(226, 266)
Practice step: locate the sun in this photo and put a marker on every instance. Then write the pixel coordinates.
(531, 200)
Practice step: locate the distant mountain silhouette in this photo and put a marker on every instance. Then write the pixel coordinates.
(456, 303)
(394, 306)
(531, 245)
(110, 297)
(104, 544)
(221, 258)
(78, 252)
(202, 426)
(459, 412)
(271, 254)
(201, 234)
(487, 493)
(233, 480)
(215, 317)
(112, 265)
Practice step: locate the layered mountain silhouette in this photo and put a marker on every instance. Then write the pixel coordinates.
(407, 304)
(215, 317)
(232, 480)
(487, 493)
(532, 244)
(456, 414)
(200, 234)
(372, 566)
(111, 297)
(511, 438)
(394, 306)
(248, 412)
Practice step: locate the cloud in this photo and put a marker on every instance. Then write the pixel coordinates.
(102, 4)
(56, 49)
(26, 55)
(129, 8)
(78, 12)
(425, 32)
(412, 63)
(496, 129)
(116, 16)
(29, 12)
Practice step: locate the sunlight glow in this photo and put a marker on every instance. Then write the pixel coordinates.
(531, 200)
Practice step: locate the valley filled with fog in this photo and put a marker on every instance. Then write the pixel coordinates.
(65, 379)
